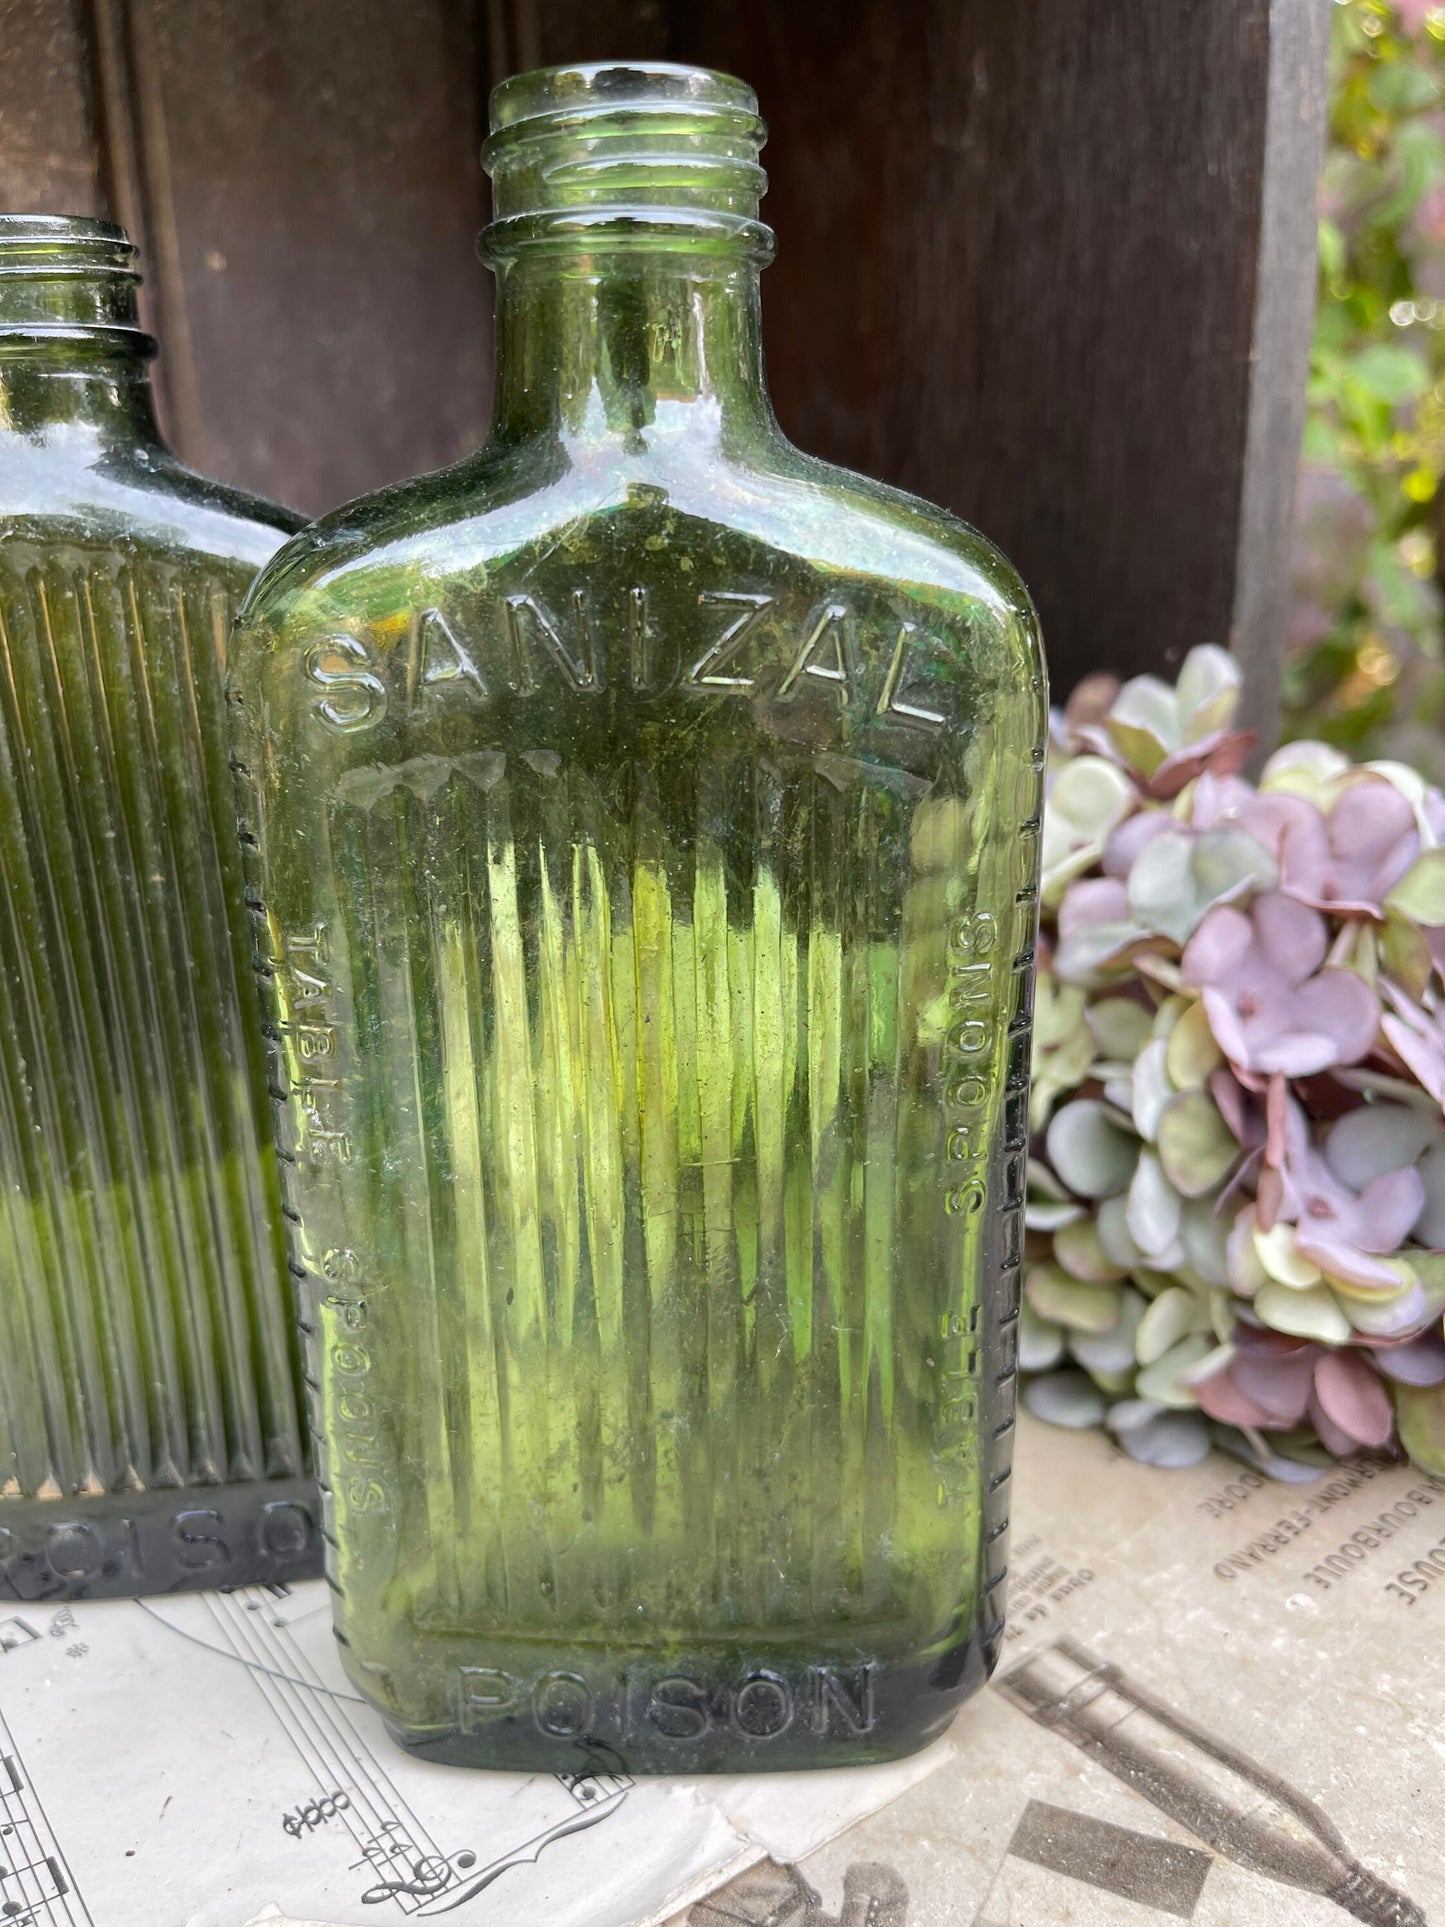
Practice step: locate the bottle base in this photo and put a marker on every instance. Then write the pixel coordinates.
(169, 1539)
(637, 1715)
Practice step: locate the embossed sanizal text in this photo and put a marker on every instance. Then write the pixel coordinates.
(738, 645)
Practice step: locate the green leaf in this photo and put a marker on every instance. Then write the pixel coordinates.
(1419, 161)
(1402, 87)
(1331, 250)
(1390, 373)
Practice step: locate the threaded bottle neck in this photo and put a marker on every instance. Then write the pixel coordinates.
(68, 281)
(648, 157)
(73, 356)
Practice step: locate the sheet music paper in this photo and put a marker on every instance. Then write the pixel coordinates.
(202, 1761)
(1221, 1700)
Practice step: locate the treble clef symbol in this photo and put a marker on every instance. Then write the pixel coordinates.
(429, 1875)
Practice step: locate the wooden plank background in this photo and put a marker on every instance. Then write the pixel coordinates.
(1028, 255)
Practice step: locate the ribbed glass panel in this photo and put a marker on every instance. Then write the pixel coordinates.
(145, 1336)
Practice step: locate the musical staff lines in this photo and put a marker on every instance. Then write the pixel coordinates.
(36, 1888)
(394, 1863)
(396, 1852)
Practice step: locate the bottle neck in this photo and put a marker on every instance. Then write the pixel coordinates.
(633, 347)
(73, 355)
(89, 399)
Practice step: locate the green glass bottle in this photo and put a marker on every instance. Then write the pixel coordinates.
(151, 1431)
(642, 830)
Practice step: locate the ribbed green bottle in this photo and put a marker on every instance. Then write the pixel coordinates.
(151, 1434)
(641, 823)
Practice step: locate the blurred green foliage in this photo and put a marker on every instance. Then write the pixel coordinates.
(1366, 668)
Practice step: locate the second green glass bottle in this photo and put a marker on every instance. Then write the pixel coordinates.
(152, 1433)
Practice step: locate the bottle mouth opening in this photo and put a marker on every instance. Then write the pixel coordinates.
(643, 154)
(68, 277)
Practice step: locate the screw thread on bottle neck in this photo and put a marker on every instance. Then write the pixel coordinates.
(67, 282)
(646, 157)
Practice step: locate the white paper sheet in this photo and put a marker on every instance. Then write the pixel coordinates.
(202, 1761)
(1221, 1700)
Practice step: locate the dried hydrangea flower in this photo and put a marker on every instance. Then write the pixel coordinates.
(1272, 1003)
(1237, 1207)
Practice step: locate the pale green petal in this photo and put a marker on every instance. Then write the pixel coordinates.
(1312, 1313)
(1087, 799)
(1226, 864)
(1420, 893)
(1303, 769)
(1091, 952)
(1207, 691)
(1144, 722)
(1275, 1250)
(1204, 1235)
(1164, 1380)
(1150, 1090)
(1041, 1344)
(1114, 1234)
(1065, 1398)
(1171, 1440)
(1174, 1314)
(1058, 1011)
(1420, 1419)
(1110, 1354)
(1368, 1295)
(1094, 1158)
(1192, 1052)
(1039, 1216)
(1071, 1302)
(1161, 894)
(1120, 1027)
(1430, 1225)
(1078, 1250)
(1196, 1146)
(1376, 1138)
(1406, 953)
(1154, 1208)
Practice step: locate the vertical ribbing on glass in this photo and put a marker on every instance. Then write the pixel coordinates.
(640, 1176)
(146, 1330)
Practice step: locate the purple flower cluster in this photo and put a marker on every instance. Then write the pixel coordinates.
(1237, 1216)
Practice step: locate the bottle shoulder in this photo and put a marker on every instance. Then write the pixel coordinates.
(613, 606)
(137, 500)
(504, 513)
